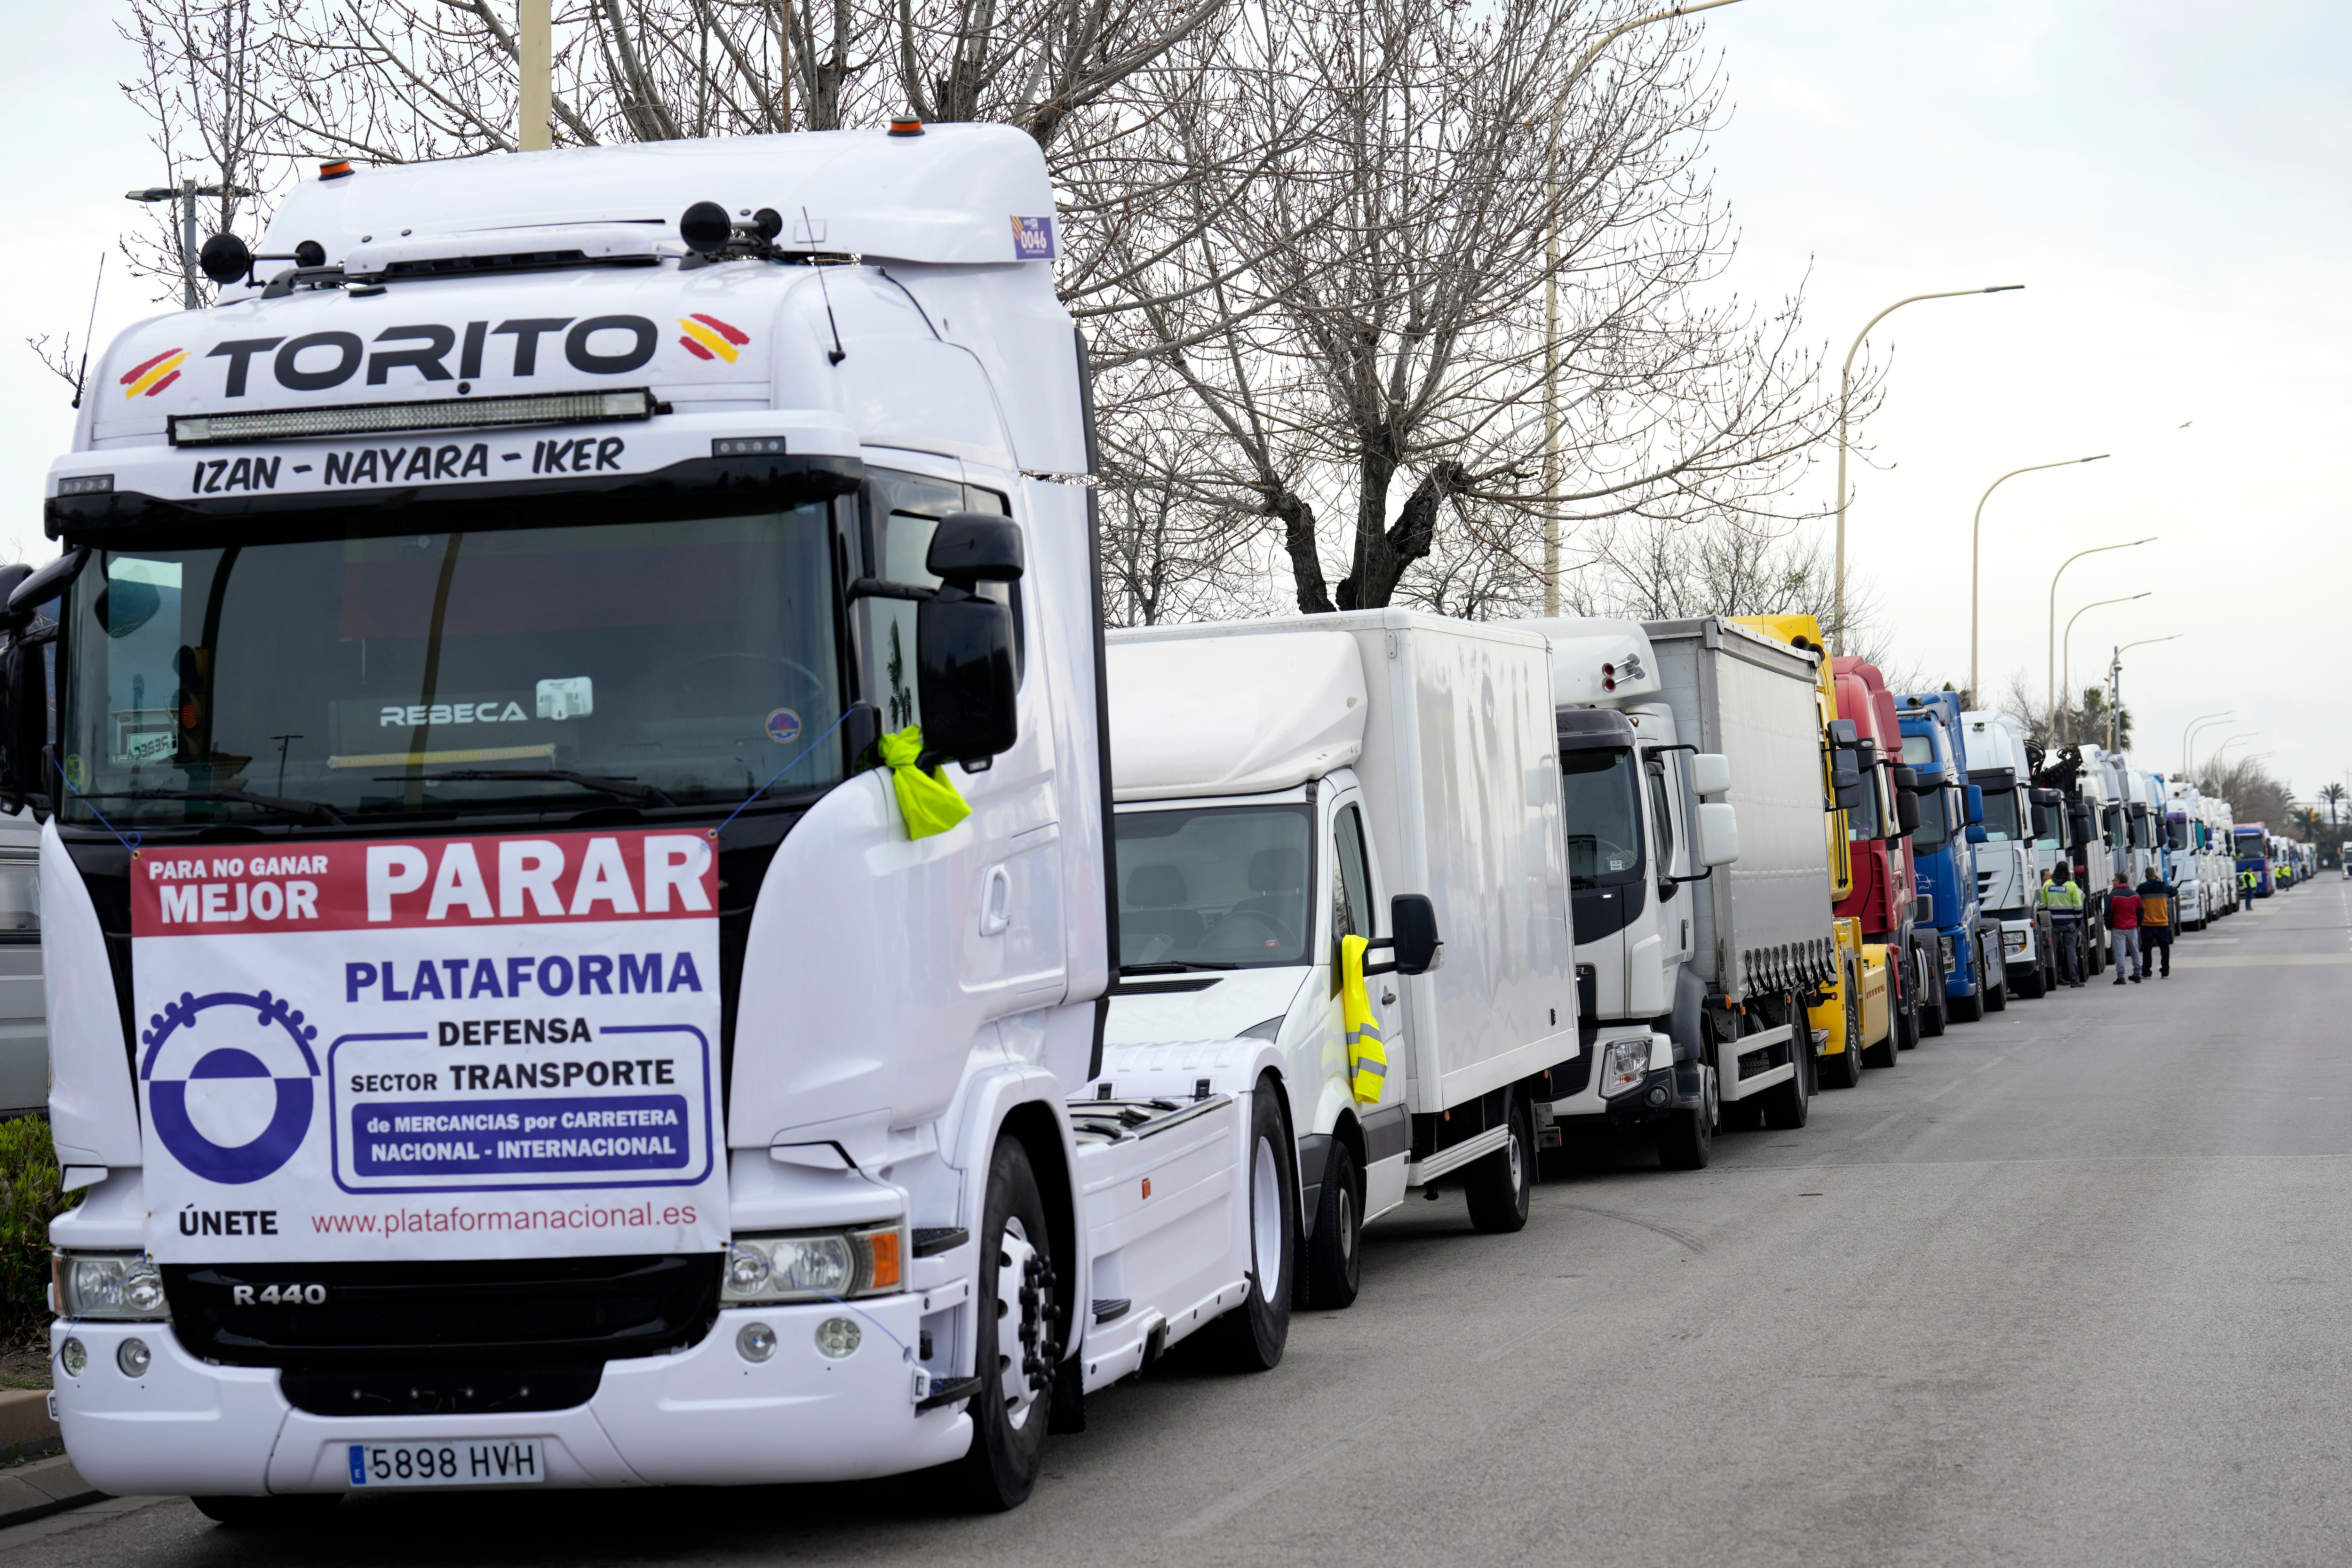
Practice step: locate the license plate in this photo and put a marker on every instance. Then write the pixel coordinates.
(498, 1462)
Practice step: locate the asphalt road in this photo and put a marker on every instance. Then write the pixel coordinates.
(2066, 1286)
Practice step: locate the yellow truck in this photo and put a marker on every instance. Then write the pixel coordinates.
(1854, 1020)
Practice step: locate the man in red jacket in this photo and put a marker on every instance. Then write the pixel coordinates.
(2123, 918)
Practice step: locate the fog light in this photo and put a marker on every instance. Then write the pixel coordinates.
(1658, 1095)
(756, 1341)
(73, 1355)
(132, 1358)
(838, 1338)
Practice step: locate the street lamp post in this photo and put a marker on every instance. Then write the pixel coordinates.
(2067, 642)
(1551, 289)
(1976, 539)
(2214, 761)
(2187, 756)
(2053, 672)
(1846, 387)
(2116, 687)
(186, 193)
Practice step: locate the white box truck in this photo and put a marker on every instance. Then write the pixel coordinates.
(1283, 783)
(1705, 924)
(530, 1044)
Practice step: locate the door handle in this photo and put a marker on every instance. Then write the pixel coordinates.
(1387, 996)
(995, 901)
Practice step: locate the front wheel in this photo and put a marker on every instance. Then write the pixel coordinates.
(1791, 1105)
(1843, 1070)
(2031, 985)
(1996, 997)
(1686, 1139)
(1255, 1332)
(1499, 1185)
(1333, 1267)
(1014, 1346)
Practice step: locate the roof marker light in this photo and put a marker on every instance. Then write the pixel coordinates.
(340, 169)
(905, 125)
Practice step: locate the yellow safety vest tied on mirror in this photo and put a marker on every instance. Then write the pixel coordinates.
(929, 802)
(1368, 1064)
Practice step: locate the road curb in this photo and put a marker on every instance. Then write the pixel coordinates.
(43, 1487)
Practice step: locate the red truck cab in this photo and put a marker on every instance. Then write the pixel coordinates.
(1885, 896)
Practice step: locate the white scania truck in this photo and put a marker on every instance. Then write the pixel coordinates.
(1691, 760)
(502, 1021)
(1285, 784)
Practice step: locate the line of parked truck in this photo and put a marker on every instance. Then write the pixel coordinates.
(693, 958)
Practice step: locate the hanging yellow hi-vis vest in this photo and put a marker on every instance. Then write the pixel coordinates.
(1368, 1064)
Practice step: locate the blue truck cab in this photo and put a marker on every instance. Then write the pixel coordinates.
(1929, 721)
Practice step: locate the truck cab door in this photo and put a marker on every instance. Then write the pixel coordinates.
(1358, 895)
(1673, 839)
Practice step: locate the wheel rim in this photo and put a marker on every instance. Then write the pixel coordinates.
(1511, 1143)
(1346, 1215)
(1265, 1220)
(1016, 1261)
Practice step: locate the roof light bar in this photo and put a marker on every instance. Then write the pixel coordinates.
(404, 418)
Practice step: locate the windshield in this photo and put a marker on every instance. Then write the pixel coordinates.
(2000, 816)
(2180, 834)
(1861, 821)
(681, 661)
(1919, 751)
(2251, 848)
(2052, 820)
(1603, 815)
(1935, 823)
(1220, 887)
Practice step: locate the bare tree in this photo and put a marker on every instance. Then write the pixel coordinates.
(2255, 795)
(205, 84)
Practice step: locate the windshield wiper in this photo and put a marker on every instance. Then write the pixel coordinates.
(1170, 967)
(618, 788)
(305, 808)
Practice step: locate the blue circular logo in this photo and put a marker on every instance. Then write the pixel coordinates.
(784, 725)
(231, 1064)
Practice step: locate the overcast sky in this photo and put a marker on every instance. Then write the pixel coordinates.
(2167, 179)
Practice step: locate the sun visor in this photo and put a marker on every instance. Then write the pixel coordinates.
(1204, 716)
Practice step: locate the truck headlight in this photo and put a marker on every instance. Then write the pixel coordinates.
(2012, 942)
(117, 1285)
(816, 1266)
(1626, 1064)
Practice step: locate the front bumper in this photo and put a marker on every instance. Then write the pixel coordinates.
(703, 1416)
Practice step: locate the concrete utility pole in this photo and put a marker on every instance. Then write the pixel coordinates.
(1846, 387)
(2115, 686)
(1552, 291)
(186, 193)
(534, 131)
(1976, 539)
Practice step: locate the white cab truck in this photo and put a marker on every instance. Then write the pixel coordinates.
(506, 1029)
(1383, 775)
(1690, 752)
(2007, 882)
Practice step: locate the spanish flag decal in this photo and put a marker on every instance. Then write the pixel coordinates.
(708, 337)
(155, 375)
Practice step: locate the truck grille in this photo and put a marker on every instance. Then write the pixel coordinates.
(406, 1319)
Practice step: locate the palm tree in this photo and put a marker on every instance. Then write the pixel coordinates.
(2334, 795)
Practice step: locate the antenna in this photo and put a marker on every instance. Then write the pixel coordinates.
(81, 376)
(836, 354)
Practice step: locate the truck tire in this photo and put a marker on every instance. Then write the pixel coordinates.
(1935, 1008)
(1969, 1009)
(1791, 1105)
(1686, 1138)
(1846, 1068)
(1882, 1055)
(1996, 998)
(1904, 1024)
(1254, 1332)
(2033, 987)
(1499, 1185)
(1013, 1349)
(292, 1511)
(1334, 1266)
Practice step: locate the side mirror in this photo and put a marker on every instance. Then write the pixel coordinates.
(1718, 833)
(1977, 834)
(37, 588)
(1417, 947)
(1906, 811)
(964, 677)
(1710, 772)
(1976, 813)
(970, 547)
(1922, 910)
(1844, 733)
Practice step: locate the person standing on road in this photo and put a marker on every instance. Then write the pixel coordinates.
(2063, 897)
(2155, 905)
(2123, 920)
